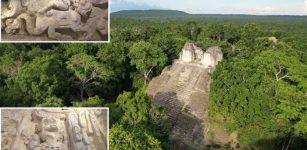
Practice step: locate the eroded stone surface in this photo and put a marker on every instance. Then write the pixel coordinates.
(54, 129)
(64, 20)
(182, 90)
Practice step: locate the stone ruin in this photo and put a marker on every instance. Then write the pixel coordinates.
(183, 90)
(208, 59)
(54, 129)
(54, 20)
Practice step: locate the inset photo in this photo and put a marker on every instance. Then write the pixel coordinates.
(54, 129)
(55, 21)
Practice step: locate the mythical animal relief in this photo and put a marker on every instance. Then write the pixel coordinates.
(54, 129)
(62, 20)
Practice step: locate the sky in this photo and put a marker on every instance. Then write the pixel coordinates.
(255, 7)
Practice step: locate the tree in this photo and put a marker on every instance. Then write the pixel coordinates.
(137, 111)
(90, 102)
(114, 56)
(87, 72)
(262, 98)
(132, 139)
(146, 56)
(170, 42)
(52, 102)
(77, 48)
(136, 108)
(37, 80)
(11, 62)
(194, 30)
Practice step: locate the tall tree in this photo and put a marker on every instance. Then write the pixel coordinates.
(146, 56)
(37, 80)
(87, 72)
(262, 97)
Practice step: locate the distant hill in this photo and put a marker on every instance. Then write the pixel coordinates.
(149, 13)
(169, 13)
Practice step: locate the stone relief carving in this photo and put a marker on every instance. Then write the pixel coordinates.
(64, 20)
(54, 129)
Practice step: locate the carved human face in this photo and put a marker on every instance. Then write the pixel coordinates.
(54, 146)
(77, 133)
(34, 141)
(50, 124)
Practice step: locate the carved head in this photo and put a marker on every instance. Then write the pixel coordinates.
(83, 7)
(12, 25)
(34, 142)
(77, 133)
(50, 124)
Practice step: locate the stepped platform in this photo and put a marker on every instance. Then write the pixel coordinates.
(182, 90)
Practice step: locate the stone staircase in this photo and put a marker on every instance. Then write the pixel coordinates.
(170, 104)
(175, 95)
(188, 130)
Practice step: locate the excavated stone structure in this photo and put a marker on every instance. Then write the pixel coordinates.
(182, 90)
(54, 129)
(209, 59)
(46, 20)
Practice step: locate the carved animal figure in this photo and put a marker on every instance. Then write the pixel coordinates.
(54, 19)
(13, 26)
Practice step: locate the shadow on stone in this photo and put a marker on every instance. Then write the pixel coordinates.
(186, 129)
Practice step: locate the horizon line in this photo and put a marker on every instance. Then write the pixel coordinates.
(246, 14)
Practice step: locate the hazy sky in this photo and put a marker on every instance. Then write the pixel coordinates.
(258, 7)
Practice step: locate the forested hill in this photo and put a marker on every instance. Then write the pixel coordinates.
(149, 13)
(294, 24)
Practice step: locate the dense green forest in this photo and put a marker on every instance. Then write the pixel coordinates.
(258, 90)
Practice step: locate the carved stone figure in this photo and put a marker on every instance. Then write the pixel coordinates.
(63, 20)
(52, 129)
(34, 142)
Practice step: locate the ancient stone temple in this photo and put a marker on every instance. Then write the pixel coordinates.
(54, 129)
(182, 89)
(208, 59)
(54, 20)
